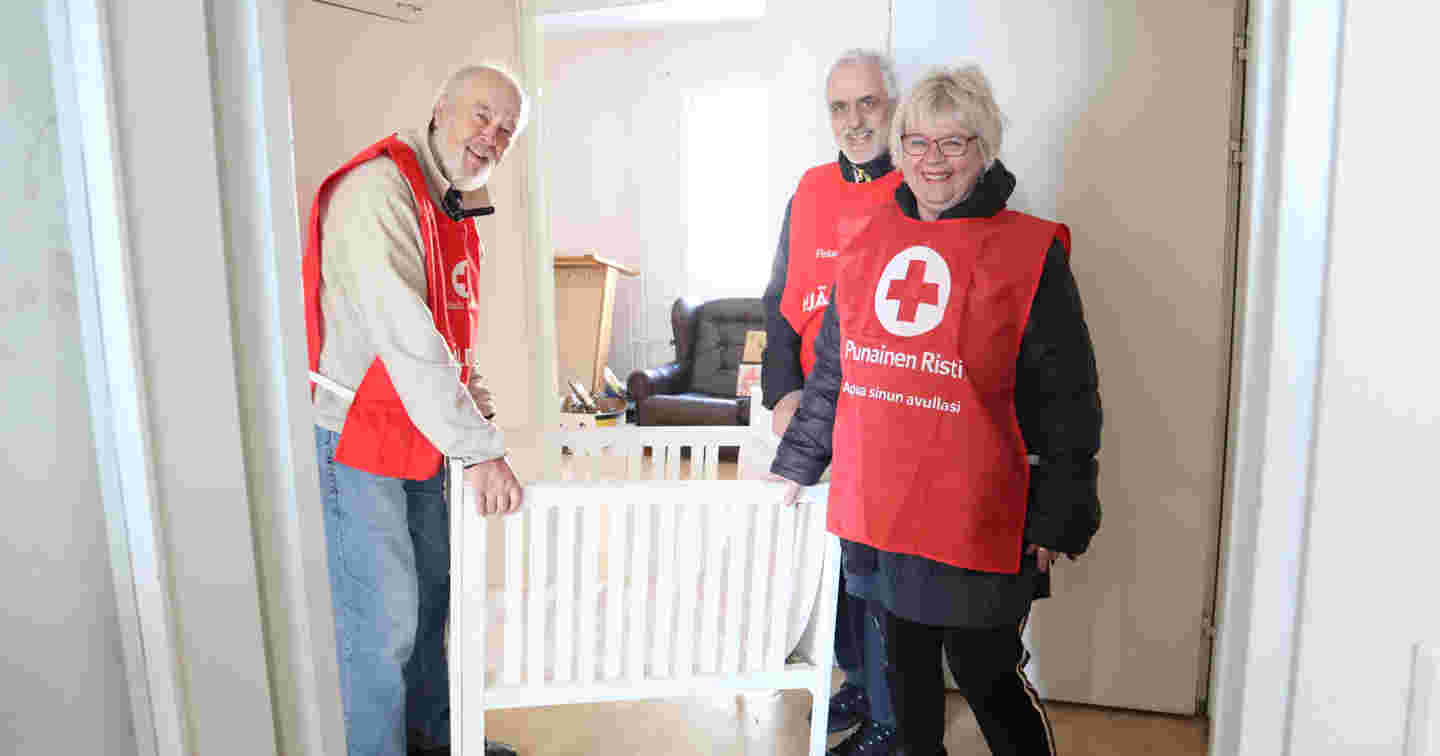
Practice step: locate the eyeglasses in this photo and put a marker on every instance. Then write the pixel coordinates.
(918, 146)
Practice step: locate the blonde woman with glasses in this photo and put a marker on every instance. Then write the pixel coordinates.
(956, 398)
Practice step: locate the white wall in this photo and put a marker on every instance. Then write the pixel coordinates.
(62, 678)
(1368, 594)
(356, 78)
(618, 158)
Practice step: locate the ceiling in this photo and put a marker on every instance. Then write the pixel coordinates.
(595, 15)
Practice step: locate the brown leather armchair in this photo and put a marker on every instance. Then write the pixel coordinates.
(698, 387)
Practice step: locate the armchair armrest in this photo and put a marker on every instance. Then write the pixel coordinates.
(669, 378)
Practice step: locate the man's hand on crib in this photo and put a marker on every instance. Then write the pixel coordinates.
(497, 491)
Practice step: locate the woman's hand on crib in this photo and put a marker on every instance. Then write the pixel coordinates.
(497, 491)
(792, 490)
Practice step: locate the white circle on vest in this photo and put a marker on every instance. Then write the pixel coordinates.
(457, 279)
(913, 290)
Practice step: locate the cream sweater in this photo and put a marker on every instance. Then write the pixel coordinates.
(373, 297)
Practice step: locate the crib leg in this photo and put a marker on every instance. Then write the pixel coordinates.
(819, 720)
(824, 647)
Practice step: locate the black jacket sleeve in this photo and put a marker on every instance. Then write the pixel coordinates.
(1057, 402)
(780, 371)
(805, 450)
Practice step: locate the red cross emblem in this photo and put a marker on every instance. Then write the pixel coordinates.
(912, 291)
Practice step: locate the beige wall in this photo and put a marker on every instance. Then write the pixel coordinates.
(355, 78)
(616, 152)
(1369, 590)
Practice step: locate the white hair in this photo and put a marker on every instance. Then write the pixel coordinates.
(465, 73)
(862, 56)
(963, 94)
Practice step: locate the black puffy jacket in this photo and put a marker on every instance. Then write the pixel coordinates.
(1057, 396)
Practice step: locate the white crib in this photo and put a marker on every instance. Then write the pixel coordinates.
(657, 584)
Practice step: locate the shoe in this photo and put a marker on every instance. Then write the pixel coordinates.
(874, 739)
(848, 708)
(492, 748)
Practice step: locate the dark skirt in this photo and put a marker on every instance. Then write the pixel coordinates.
(934, 593)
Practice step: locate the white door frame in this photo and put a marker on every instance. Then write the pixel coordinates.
(106, 302)
(246, 205)
(1293, 86)
(175, 139)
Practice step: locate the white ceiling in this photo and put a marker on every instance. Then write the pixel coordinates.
(591, 15)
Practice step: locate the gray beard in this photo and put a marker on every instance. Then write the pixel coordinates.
(476, 181)
(447, 165)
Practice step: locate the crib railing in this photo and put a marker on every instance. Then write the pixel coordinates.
(652, 453)
(626, 589)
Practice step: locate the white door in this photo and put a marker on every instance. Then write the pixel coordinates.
(1118, 125)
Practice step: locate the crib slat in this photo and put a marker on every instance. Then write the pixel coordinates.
(514, 578)
(717, 527)
(618, 553)
(555, 461)
(640, 588)
(536, 589)
(665, 542)
(589, 619)
(634, 461)
(687, 545)
(590, 464)
(463, 571)
(782, 593)
(564, 593)
(809, 546)
(759, 584)
(672, 462)
(740, 518)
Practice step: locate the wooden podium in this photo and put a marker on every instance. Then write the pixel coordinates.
(584, 306)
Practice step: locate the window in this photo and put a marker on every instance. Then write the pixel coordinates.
(729, 240)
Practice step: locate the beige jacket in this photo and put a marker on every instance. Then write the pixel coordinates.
(373, 297)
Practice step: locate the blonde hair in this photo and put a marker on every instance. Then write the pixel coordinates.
(961, 93)
(465, 73)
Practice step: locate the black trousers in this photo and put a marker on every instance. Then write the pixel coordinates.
(988, 667)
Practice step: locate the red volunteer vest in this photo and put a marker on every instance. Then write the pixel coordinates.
(825, 215)
(378, 436)
(928, 456)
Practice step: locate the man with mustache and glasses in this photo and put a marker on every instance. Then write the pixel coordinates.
(392, 260)
(830, 206)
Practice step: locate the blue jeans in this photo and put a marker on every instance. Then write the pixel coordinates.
(389, 557)
(860, 651)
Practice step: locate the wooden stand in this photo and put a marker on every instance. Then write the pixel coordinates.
(584, 307)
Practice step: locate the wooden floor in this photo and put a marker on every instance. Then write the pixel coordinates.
(774, 724)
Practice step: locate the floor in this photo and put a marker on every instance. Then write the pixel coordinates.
(775, 723)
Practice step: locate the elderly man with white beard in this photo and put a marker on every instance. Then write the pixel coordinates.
(391, 267)
(828, 207)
